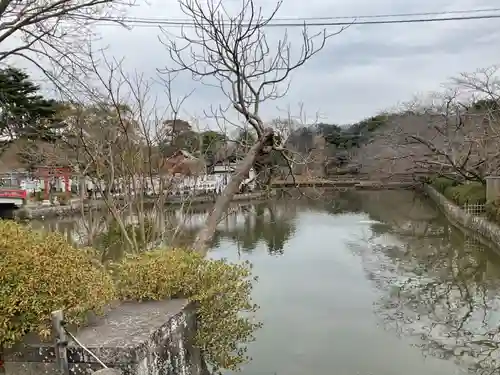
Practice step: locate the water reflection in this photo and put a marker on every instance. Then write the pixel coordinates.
(317, 300)
(442, 288)
(346, 263)
(247, 225)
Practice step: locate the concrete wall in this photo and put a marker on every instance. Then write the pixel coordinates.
(485, 228)
(151, 338)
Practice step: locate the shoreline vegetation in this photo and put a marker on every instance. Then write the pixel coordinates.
(42, 272)
(470, 193)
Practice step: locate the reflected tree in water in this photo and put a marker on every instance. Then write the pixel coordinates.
(273, 224)
(443, 289)
(279, 230)
(406, 212)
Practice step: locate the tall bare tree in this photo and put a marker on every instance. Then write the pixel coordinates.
(461, 136)
(112, 143)
(453, 132)
(233, 49)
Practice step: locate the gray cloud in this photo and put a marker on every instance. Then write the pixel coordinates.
(363, 70)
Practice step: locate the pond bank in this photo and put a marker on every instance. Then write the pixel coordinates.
(40, 212)
(75, 207)
(365, 242)
(487, 230)
(354, 183)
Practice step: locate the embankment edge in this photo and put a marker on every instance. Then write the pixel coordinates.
(487, 231)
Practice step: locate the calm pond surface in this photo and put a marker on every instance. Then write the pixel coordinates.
(371, 283)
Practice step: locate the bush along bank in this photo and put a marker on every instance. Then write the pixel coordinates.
(42, 272)
(470, 193)
(493, 210)
(460, 193)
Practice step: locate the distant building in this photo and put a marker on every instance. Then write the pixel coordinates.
(226, 169)
(185, 164)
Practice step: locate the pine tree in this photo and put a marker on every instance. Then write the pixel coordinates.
(24, 112)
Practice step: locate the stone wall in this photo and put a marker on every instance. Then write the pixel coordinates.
(42, 212)
(150, 338)
(485, 228)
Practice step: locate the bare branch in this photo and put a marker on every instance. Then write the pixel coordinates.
(53, 35)
(233, 51)
(454, 133)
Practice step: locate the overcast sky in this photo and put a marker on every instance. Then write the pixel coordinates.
(362, 71)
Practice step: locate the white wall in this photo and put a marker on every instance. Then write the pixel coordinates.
(208, 183)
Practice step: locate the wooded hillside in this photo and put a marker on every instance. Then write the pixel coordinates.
(455, 131)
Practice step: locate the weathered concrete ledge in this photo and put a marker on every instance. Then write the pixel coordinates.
(107, 371)
(486, 229)
(344, 185)
(384, 185)
(61, 210)
(75, 208)
(149, 338)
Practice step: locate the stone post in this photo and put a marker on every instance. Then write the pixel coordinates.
(61, 342)
(492, 188)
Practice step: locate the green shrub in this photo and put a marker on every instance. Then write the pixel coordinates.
(471, 193)
(40, 273)
(38, 196)
(220, 290)
(442, 183)
(493, 210)
(63, 198)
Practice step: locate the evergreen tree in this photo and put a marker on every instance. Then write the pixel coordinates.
(24, 112)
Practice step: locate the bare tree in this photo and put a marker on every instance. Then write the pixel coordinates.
(452, 133)
(112, 143)
(465, 124)
(53, 35)
(233, 50)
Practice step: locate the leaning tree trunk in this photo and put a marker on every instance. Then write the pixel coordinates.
(222, 203)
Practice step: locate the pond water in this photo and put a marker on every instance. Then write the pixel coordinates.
(383, 287)
(370, 283)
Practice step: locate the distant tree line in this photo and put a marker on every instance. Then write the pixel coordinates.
(339, 137)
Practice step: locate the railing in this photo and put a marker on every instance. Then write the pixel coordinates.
(61, 335)
(474, 209)
(400, 176)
